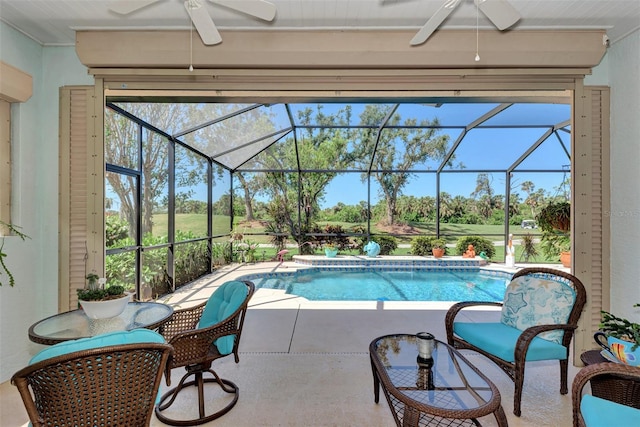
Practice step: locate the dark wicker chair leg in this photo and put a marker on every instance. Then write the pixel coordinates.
(226, 385)
(517, 394)
(564, 367)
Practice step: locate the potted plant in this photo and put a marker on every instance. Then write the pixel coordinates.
(555, 216)
(555, 222)
(438, 247)
(99, 301)
(622, 337)
(14, 229)
(330, 250)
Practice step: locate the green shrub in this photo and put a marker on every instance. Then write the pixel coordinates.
(116, 229)
(480, 244)
(422, 245)
(388, 244)
(340, 240)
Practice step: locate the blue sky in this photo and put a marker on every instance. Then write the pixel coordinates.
(489, 147)
(495, 145)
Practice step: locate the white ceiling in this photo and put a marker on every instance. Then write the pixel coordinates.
(52, 22)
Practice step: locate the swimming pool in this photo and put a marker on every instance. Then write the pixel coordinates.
(322, 284)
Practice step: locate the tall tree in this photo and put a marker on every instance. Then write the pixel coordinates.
(127, 146)
(535, 198)
(319, 150)
(396, 151)
(486, 200)
(122, 148)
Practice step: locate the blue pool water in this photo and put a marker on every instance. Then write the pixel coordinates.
(318, 284)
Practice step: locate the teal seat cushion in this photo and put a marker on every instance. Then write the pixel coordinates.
(531, 301)
(598, 412)
(222, 304)
(104, 340)
(500, 340)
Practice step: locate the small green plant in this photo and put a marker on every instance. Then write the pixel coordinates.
(439, 244)
(3, 267)
(92, 281)
(95, 290)
(528, 247)
(480, 244)
(620, 328)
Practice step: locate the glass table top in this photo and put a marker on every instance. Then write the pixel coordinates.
(75, 324)
(446, 381)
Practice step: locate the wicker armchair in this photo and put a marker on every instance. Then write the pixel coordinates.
(116, 385)
(619, 395)
(510, 346)
(200, 335)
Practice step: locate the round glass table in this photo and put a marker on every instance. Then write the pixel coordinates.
(74, 324)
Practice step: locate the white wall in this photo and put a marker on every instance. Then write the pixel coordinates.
(623, 69)
(34, 263)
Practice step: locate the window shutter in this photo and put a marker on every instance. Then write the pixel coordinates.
(591, 238)
(81, 230)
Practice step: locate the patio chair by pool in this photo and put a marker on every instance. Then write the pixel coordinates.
(111, 379)
(621, 386)
(540, 312)
(200, 335)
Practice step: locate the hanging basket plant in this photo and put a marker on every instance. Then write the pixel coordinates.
(556, 216)
(555, 222)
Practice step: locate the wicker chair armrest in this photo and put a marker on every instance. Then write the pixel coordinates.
(456, 308)
(587, 373)
(524, 340)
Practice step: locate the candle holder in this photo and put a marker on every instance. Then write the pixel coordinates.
(426, 344)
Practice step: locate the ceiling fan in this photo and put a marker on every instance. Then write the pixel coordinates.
(500, 12)
(201, 19)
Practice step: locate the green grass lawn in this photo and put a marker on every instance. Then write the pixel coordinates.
(197, 224)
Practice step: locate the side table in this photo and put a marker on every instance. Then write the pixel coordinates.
(616, 388)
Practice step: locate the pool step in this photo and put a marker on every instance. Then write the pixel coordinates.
(388, 261)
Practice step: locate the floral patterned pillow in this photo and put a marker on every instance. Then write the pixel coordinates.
(531, 301)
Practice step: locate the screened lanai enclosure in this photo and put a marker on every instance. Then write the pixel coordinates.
(190, 185)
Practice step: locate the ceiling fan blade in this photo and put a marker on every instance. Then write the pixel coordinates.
(500, 12)
(125, 7)
(204, 24)
(261, 9)
(434, 22)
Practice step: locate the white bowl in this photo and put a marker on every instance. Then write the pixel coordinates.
(105, 309)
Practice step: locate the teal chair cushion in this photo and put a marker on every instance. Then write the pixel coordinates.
(500, 340)
(598, 412)
(531, 301)
(104, 340)
(223, 303)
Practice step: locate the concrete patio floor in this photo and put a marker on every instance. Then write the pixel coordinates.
(305, 363)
